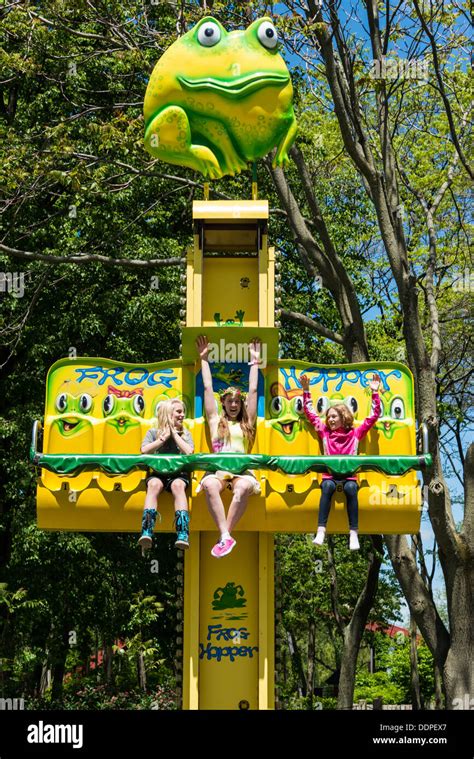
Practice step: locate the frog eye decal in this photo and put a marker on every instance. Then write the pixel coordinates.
(267, 35)
(138, 404)
(322, 404)
(61, 402)
(209, 34)
(397, 409)
(109, 403)
(297, 404)
(85, 402)
(351, 403)
(276, 405)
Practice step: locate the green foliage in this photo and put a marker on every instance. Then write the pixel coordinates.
(368, 687)
(306, 580)
(93, 697)
(400, 671)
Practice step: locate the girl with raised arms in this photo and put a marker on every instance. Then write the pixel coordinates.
(232, 431)
(340, 438)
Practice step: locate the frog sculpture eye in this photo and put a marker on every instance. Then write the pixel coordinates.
(276, 405)
(138, 404)
(109, 403)
(61, 402)
(322, 404)
(397, 409)
(267, 35)
(297, 404)
(85, 402)
(351, 403)
(209, 34)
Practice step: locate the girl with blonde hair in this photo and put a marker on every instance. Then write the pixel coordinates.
(168, 436)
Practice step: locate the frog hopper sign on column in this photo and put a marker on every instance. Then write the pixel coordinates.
(217, 100)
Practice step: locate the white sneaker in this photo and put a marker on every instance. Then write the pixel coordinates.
(320, 535)
(353, 541)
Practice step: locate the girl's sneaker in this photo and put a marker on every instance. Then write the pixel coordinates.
(320, 535)
(353, 541)
(223, 547)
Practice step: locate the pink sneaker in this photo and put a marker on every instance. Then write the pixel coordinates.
(223, 547)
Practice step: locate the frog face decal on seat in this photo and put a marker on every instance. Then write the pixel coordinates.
(123, 408)
(74, 405)
(286, 413)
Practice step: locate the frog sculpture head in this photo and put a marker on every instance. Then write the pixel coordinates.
(74, 406)
(285, 411)
(393, 414)
(218, 100)
(123, 409)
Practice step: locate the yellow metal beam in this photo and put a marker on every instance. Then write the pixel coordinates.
(191, 625)
(266, 626)
(230, 209)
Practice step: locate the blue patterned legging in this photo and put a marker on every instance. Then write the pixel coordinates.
(328, 488)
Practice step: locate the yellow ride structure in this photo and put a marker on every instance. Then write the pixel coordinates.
(98, 411)
(92, 475)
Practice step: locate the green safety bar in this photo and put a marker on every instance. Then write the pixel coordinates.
(73, 464)
(67, 464)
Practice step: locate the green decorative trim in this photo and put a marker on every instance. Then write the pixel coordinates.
(67, 464)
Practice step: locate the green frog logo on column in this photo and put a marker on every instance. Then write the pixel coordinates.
(223, 641)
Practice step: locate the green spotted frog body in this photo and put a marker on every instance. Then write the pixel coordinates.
(218, 100)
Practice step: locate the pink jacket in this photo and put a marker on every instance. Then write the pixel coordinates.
(340, 442)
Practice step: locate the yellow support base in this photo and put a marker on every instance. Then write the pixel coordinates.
(229, 624)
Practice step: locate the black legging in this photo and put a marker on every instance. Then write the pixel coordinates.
(328, 488)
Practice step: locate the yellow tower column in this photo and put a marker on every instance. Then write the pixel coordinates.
(228, 636)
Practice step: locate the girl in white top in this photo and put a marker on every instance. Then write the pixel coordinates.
(233, 431)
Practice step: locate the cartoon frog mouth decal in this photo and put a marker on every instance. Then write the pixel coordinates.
(387, 426)
(286, 427)
(244, 85)
(122, 421)
(69, 426)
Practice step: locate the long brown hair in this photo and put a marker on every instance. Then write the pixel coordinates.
(346, 416)
(248, 429)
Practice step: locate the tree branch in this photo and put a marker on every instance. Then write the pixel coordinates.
(130, 263)
(306, 321)
(442, 90)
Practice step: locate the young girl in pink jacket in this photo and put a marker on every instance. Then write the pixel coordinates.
(340, 438)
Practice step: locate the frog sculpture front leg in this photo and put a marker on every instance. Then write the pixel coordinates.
(168, 137)
(281, 157)
(215, 133)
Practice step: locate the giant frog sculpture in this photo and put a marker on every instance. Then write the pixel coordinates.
(218, 100)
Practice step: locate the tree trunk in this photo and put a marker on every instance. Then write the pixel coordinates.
(438, 687)
(458, 668)
(311, 662)
(355, 629)
(141, 671)
(297, 663)
(414, 672)
(59, 668)
(108, 657)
